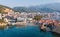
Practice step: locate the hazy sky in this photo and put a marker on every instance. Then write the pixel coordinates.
(13, 3)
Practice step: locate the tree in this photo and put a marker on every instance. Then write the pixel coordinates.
(37, 17)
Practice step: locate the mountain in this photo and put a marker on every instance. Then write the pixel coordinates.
(53, 7)
(20, 9)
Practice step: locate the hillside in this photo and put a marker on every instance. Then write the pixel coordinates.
(2, 8)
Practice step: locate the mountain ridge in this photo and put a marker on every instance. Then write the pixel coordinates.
(53, 7)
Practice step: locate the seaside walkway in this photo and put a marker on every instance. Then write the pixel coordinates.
(56, 29)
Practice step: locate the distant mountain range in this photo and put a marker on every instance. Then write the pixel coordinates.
(53, 7)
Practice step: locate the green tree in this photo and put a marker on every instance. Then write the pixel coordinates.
(37, 17)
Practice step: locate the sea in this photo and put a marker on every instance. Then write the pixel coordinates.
(25, 31)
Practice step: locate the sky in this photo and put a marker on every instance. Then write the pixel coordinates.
(14, 3)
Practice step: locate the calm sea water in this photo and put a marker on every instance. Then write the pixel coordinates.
(28, 31)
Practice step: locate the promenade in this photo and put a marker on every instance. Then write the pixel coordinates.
(56, 29)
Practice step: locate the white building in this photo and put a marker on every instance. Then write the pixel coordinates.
(6, 20)
(0, 16)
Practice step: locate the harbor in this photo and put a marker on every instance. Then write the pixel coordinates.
(27, 31)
